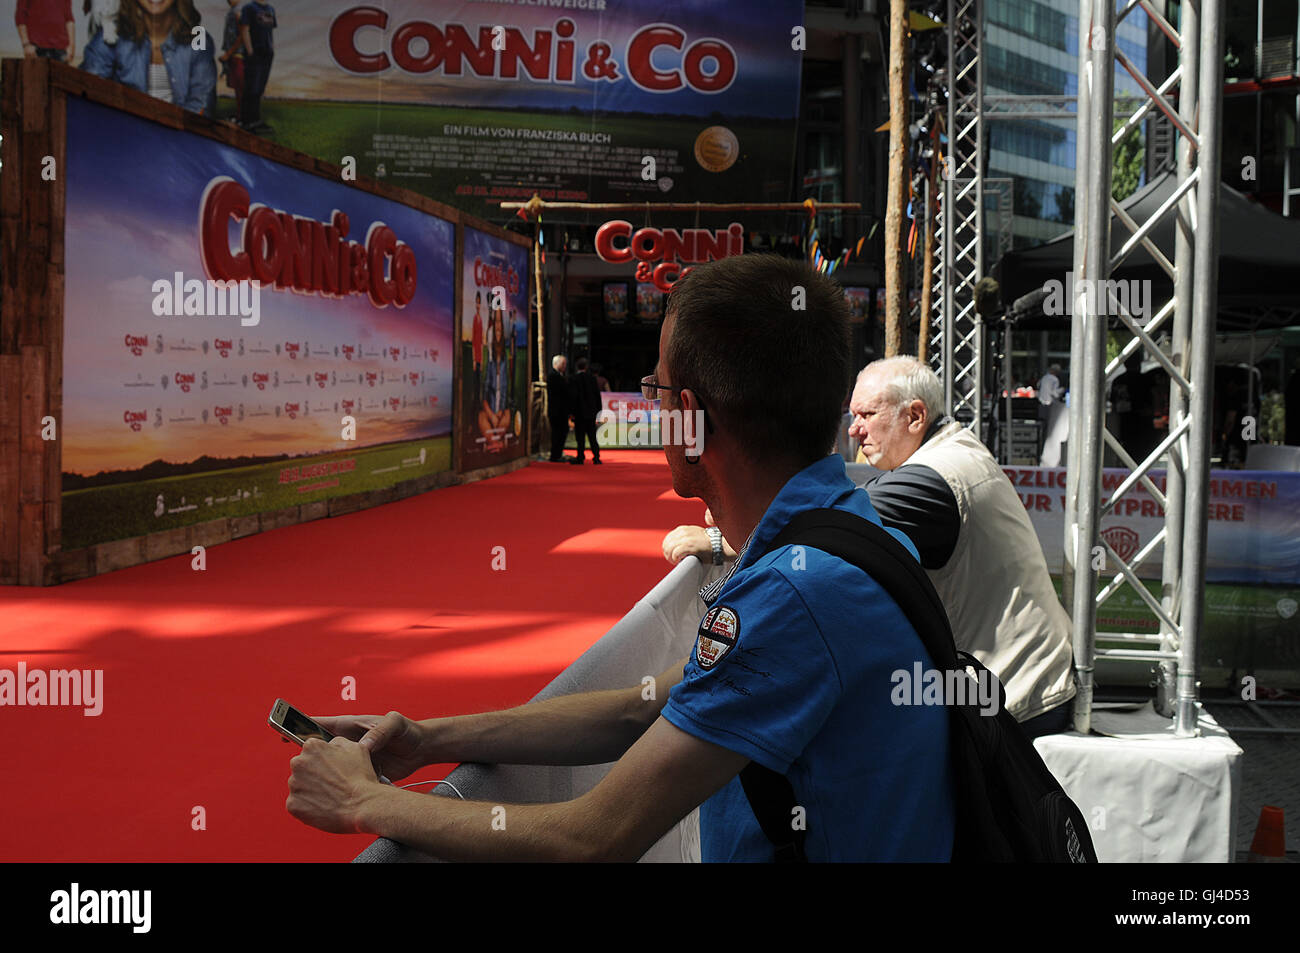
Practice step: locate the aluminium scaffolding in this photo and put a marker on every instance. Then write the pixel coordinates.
(958, 332)
(1189, 315)
(958, 340)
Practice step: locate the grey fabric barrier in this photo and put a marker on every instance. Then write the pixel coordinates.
(658, 630)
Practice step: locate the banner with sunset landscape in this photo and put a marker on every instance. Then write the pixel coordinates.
(239, 336)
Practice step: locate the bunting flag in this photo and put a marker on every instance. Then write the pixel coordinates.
(920, 22)
(818, 258)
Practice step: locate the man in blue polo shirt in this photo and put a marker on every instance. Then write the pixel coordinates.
(792, 660)
(793, 666)
(797, 682)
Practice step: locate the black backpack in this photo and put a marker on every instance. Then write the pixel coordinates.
(1009, 807)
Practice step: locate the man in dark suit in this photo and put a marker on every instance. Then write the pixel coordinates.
(559, 405)
(586, 405)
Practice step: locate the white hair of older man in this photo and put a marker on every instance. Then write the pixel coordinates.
(906, 379)
(557, 361)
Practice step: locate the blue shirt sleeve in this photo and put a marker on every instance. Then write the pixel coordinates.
(768, 694)
(97, 57)
(201, 96)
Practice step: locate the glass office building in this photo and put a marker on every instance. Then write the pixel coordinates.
(1031, 48)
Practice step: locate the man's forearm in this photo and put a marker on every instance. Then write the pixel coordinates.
(590, 728)
(454, 830)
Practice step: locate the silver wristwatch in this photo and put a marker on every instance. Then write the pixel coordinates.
(715, 540)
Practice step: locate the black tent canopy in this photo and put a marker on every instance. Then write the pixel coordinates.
(1259, 260)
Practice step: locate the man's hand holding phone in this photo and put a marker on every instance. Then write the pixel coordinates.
(331, 785)
(395, 743)
(345, 763)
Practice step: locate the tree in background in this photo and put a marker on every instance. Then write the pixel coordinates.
(1128, 157)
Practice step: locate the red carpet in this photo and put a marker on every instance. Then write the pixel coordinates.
(403, 598)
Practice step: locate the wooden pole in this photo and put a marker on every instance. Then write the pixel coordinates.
(897, 190)
(535, 205)
(537, 293)
(927, 277)
(543, 429)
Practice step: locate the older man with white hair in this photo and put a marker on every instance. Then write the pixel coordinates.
(944, 490)
(559, 405)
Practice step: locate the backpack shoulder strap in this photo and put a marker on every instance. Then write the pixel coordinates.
(872, 549)
(772, 799)
(869, 547)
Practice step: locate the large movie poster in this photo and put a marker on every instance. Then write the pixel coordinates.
(476, 101)
(494, 349)
(239, 336)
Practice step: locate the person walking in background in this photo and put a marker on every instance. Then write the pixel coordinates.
(1052, 414)
(232, 57)
(256, 24)
(155, 54)
(1049, 391)
(586, 406)
(46, 29)
(559, 405)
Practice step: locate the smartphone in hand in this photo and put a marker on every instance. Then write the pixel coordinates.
(294, 725)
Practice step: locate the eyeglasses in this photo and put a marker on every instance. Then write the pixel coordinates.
(650, 388)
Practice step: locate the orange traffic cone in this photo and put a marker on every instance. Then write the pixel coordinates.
(1269, 845)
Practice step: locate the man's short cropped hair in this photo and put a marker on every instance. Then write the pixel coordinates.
(557, 361)
(906, 379)
(764, 341)
(582, 364)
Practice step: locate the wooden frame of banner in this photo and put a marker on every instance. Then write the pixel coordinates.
(32, 210)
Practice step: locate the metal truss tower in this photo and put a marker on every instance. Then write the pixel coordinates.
(958, 332)
(1189, 317)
